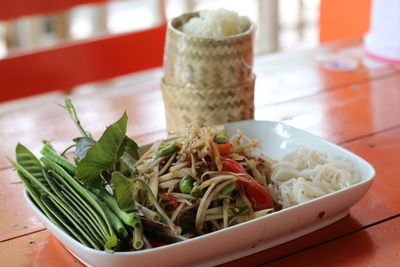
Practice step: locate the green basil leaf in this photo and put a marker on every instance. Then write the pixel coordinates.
(103, 155)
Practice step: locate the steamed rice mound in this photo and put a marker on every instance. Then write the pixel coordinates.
(216, 23)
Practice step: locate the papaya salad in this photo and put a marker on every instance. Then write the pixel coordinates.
(207, 180)
(107, 197)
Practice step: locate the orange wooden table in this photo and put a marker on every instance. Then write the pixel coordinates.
(356, 106)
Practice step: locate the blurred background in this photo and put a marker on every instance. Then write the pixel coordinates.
(61, 44)
(282, 25)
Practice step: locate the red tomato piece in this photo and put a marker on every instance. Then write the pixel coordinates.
(230, 165)
(174, 203)
(225, 149)
(258, 195)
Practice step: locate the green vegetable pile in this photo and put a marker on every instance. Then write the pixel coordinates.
(92, 199)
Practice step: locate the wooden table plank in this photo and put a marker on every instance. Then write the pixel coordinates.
(375, 246)
(287, 76)
(381, 201)
(38, 249)
(17, 218)
(367, 107)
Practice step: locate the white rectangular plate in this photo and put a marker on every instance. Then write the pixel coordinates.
(277, 140)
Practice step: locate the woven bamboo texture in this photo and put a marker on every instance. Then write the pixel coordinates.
(207, 63)
(197, 107)
(208, 81)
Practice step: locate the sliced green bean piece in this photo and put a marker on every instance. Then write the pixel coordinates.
(220, 137)
(128, 218)
(187, 185)
(117, 224)
(228, 189)
(196, 191)
(138, 237)
(167, 150)
(148, 213)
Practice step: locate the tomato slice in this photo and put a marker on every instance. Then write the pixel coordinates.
(230, 165)
(174, 203)
(225, 149)
(258, 195)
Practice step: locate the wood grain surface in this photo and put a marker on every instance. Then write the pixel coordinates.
(357, 109)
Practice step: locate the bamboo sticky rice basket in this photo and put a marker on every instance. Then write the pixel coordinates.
(207, 80)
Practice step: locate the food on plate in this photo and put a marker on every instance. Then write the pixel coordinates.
(108, 198)
(305, 174)
(216, 23)
(206, 180)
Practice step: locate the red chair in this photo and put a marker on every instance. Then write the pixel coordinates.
(68, 65)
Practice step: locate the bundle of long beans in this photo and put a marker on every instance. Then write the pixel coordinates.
(68, 204)
(79, 198)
